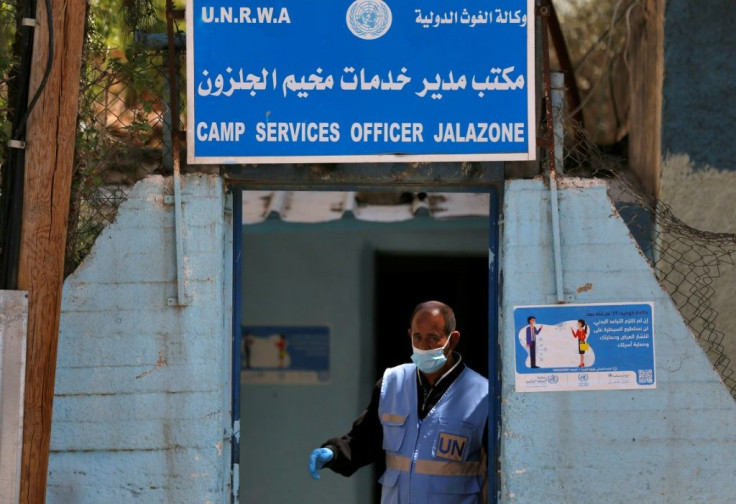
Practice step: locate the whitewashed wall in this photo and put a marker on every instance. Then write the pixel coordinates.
(142, 399)
(670, 445)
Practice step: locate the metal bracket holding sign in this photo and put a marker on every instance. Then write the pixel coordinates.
(360, 81)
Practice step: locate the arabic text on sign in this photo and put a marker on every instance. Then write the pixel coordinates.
(435, 20)
(498, 79)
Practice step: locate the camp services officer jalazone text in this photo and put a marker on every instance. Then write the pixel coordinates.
(362, 132)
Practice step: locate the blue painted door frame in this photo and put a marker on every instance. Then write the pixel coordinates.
(237, 335)
(494, 351)
(494, 365)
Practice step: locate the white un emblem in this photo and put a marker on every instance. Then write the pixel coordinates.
(369, 19)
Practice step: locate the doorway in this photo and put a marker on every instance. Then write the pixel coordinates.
(404, 280)
(341, 275)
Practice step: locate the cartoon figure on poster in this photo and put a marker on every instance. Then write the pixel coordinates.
(581, 334)
(281, 346)
(247, 344)
(550, 346)
(267, 352)
(531, 340)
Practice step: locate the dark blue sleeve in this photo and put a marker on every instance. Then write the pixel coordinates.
(363, 444)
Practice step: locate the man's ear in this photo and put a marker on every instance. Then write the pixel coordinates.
(454, 339)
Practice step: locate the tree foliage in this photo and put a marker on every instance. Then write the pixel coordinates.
(9, 61)
(597, 35)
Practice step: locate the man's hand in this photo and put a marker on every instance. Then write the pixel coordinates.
(317, 460)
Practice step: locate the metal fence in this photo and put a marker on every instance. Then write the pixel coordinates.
(124, 122)
(124, 134)
(686, 261)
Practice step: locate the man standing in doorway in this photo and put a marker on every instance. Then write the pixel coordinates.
(428, 419)
(531, 340)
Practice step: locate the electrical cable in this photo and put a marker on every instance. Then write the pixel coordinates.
(608, 33)
(49, 61)
(11, 199)
(604, 35)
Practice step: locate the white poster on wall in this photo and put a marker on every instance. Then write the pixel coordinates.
(273, 354)
(584, 347)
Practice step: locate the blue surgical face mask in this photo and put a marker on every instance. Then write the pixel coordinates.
(429, 361)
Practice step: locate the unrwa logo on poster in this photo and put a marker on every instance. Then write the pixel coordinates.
(369, 19)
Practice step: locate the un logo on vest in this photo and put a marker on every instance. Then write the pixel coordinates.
(451, 447)
(369, 19)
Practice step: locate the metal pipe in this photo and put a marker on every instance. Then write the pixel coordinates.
(558, 99)
(174, 105)
(178, 228)
(557, 82)
(559, 286)
(563, 57)
(551, 158)
(547, 142)
(167, 138)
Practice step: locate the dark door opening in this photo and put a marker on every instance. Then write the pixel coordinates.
(404, 280)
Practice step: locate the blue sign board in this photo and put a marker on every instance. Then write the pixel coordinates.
(360, 81)
(285, 354)
(584, 347)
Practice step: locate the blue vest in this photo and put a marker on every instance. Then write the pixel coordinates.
(438, 459)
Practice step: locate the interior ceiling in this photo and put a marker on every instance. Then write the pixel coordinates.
(324, 206)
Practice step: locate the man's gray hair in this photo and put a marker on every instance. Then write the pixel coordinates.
(448, 315)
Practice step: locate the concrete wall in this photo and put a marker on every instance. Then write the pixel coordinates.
(142, 399)
(671, 445)
(698, 177)
(141, 411)
(322, 274)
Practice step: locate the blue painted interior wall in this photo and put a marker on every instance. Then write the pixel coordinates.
(671, 445)
(322, 274)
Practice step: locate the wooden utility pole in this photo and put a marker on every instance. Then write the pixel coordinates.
(48, 173)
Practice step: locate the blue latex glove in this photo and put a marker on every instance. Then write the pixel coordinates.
(317, 460)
